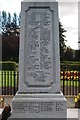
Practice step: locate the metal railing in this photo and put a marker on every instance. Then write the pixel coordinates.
(8, 82)
(70, 82)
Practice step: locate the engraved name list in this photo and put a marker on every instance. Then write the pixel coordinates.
(39, 60)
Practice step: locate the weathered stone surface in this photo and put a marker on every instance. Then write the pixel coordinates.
(39, 48)
(39, 93)
(39, 106)
(39, 52)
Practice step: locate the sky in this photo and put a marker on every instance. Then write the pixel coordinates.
(68, 15)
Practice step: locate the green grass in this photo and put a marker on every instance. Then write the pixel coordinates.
(7, 78)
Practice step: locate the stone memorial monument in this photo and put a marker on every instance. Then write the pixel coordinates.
(39, 94)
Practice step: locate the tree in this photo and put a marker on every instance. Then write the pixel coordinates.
(4, 19)
(10, 48)
(10, 39)
(10, 42)
(19, 19)
(10, 26)
(68, 54)
(15, 19)
(12, 31)
(62, 41)
(77, 55)
(9, 18)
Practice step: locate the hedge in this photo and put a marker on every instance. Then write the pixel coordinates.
(7, 65)
(70, 65)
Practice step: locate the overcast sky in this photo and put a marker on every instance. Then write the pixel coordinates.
(68, 14)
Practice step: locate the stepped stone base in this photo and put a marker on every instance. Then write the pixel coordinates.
(40, 106)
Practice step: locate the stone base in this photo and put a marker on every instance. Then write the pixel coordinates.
(25, 106)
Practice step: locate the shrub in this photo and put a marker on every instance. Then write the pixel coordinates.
(7, 65)
(70, 65)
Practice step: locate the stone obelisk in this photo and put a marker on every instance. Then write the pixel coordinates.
(39, 94)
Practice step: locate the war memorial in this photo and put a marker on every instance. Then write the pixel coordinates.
(39, 95)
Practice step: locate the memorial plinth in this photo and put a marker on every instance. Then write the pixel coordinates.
(39, 94)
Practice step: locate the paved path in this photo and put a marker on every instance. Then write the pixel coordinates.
(72, 113)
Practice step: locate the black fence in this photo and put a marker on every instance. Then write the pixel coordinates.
(8, 82)
(70, 82)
